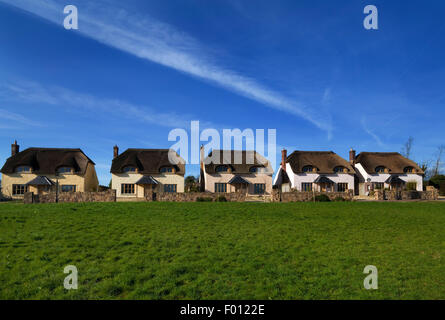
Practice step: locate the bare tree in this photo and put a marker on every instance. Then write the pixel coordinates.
(406, 150)
(440, 153)
(426, 168)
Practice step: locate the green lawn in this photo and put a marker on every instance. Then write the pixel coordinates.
(222, 250)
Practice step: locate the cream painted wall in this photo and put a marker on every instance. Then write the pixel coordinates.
(22, 178)
(131, 178)
(211, 179)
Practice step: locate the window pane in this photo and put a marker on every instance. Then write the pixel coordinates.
(169, 187)
(127, 188)
(68, 188)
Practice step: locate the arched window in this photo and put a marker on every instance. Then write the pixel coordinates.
(339, 169)
(129, 169)
(409, 170)
(380, 169)
(65, 170)
(257, 169)
(166, 169)
(308, 169)
(23, 169)
(221, 169)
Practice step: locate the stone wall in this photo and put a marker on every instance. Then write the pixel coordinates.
(299, 196)
(50, 197)
(392, 195)
(193, 196)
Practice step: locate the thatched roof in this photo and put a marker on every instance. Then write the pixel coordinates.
(240, 161)
(394, 161)
(324, 161)
(48, 160)
(147, 161)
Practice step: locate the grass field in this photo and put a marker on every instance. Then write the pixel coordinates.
(222, 250)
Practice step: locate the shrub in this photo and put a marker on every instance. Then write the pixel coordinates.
(204, 199)
(221, 199)
(322, 198)
(339, 199)
(436, 181)
(442, 188)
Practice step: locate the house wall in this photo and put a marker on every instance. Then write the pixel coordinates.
(382, 177)
(211, 179)
(23, 178)
(131, 178)
(300, 178)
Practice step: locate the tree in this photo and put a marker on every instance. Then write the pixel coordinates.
(426, 168)
(406, 150)
(191, 184)
(438, 163)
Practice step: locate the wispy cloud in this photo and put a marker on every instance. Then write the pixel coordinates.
(158, 42)
(371, 133)
(31, 92)
(17, 118)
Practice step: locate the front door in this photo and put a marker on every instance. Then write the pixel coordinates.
(325, 187)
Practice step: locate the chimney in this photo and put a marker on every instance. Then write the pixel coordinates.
(283, 159)
(115, 151)
(15, 148)
(201, 156)
(352, 156)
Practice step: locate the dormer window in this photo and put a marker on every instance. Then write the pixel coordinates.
(23, 169)
(220, 169)
(409, 170)
(309, 169)
(166, 170)
(381, 169)
(129, 169)
(257, 170)
(340, 169)
(65, 170)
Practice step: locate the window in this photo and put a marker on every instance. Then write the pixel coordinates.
(308, 169)
(65, 170)
(339, 169)
(257, 169)
(408, 170)
(19, 189)
(220, 187)
(129, 169)
(127, 188)
(222, 169)
(23, 169)
(380, 169)
(306, 186)
(166, 169)
(68, 188)
(342, 187)
(169, 187)
(379, 185)
(259, 188)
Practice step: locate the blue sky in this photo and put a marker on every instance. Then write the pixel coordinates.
(134, 70)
